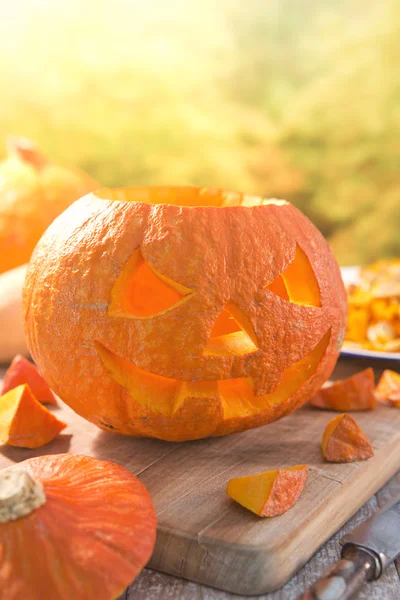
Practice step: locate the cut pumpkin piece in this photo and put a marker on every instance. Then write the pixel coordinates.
(23, 371)
(388, 387)
(24, 422)
(354, 393)
(345, 441)
(271, 493)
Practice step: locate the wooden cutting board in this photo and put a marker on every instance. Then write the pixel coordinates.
(205, 536)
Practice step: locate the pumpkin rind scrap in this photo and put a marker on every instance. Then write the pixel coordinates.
(21, 371)
(388, 388)
(180, 313)
(345, 441)
(24, 422)
(355, 393)
(271, 493)
(91, 537)
(33, 191)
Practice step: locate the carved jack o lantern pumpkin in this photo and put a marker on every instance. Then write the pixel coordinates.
(181, 313)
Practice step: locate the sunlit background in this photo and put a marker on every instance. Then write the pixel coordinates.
(290, 98)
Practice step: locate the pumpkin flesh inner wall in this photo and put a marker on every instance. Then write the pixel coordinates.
(10, 405)
(183, 196)
(297, 283)
(330, 428)
(165, 395)
(232, 333)
(140, 292)
(254, 489)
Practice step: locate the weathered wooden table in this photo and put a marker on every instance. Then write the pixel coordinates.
(151, 585)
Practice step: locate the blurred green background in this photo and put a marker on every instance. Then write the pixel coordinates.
(289, 98)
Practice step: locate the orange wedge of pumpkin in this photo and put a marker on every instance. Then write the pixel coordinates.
(271, 493)
(388, 387)
(23, 371)
(24, 422)
(345, 441)
(354, 393)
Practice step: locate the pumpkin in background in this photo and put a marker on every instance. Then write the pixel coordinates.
(72, 527)
(181, 313)
(33, 191)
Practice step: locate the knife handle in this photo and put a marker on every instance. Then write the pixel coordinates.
(344, 580)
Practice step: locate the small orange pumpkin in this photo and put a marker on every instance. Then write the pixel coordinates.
(33, 191)
(21, 371)
(181, 313)
(72, 527)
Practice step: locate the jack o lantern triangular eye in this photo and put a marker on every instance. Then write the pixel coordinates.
(297, 283)
(141, 292)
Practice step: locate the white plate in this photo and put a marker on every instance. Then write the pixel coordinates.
(350, 275)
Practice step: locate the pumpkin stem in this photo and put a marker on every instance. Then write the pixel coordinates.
(20, 494)
(26, 150)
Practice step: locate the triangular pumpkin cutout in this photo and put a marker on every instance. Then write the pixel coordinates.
(232, 334)
(24, 422)
(297, 283)
(23, 371)
(345, 441)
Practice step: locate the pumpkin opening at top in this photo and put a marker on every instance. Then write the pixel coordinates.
(186, 312)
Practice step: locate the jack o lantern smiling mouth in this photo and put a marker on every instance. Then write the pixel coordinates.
(165, 395)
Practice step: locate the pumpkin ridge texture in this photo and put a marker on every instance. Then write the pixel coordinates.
(92, 536)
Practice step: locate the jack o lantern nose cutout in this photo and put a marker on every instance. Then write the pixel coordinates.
(180, 313)
(232, 334)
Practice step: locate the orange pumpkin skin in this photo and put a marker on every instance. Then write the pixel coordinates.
(21, 371)
(354, 393)
(344, 441)
(33, 191)
(126, 310)
(94, 534)
(388, 388)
